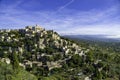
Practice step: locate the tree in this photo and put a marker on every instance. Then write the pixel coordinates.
(89, 57)
(57, 57)
(15, 62)
(75, 60)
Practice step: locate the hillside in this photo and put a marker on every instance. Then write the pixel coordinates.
(37, 48)
(48, 56)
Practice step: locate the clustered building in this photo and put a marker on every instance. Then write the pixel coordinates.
(37, 39)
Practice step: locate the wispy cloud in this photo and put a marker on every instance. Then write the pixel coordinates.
(67, 4)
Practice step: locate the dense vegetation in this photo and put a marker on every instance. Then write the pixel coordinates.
(107, 57)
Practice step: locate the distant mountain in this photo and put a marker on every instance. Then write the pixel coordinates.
(104, 38)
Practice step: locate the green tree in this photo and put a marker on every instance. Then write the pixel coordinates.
(15, 62)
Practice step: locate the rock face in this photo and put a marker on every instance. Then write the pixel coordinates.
(36, 46)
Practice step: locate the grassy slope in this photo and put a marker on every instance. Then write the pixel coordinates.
(7, 73)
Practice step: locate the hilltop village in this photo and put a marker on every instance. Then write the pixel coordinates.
(38, 47)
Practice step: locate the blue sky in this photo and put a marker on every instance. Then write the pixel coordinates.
(64, 16)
